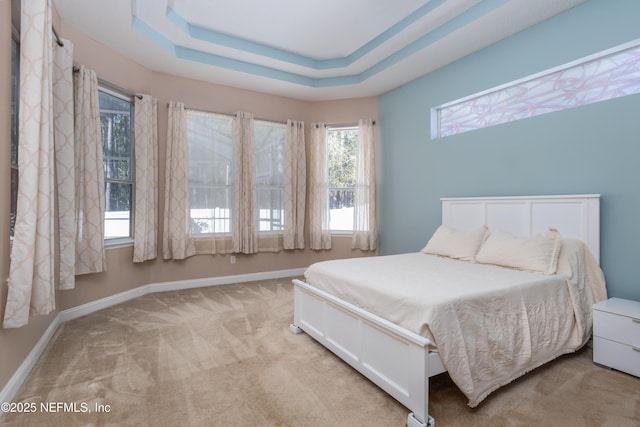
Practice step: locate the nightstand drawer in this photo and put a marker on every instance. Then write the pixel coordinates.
(615, 355)
(623, 329)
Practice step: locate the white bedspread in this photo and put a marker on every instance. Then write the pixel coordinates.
(490, 324)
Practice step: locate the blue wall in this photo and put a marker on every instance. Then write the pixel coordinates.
(589, 149)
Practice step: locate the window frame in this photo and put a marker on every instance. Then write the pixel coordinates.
(332, 128)
(227, 187)
(229, 234)
(121, 241)
(280, 187)
(15, 117)
(437, 111)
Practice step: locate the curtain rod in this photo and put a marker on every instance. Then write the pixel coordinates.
(55, 33)
(233, 115)
(114, 87)
(337, 125)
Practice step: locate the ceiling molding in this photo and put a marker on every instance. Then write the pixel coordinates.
(212, 37)
(238, 43)
(373, 46)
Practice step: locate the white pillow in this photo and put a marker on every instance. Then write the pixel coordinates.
(452, 243)
(538, 253)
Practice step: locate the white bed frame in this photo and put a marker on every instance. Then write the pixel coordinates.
(400, 361)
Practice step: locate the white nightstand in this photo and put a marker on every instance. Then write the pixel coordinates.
(616, 335)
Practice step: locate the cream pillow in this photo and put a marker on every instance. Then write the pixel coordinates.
(452, 243)
(537, 253)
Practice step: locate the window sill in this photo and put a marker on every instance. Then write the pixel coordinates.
(229, 235)
(118, 243)
(211, 235)
(342, 233)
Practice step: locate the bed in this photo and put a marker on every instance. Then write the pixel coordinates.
(400, 319)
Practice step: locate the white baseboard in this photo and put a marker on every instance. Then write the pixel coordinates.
(11, 389)
(19, 377)
(223, 280)
(93, 306)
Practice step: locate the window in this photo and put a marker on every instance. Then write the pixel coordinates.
(210, 159)
(341, 153)
(15, 101)
(211, 173)
(606, 75)
(116, 127)
(269, 140)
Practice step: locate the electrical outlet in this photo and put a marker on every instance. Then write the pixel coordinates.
(232, 259)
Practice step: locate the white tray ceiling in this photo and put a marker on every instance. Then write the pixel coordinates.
(311, 49)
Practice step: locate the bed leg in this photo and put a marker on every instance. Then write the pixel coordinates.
(295, 329)
(412, 421)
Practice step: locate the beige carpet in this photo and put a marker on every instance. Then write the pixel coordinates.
(223, 356)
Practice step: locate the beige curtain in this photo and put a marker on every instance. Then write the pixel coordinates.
(31, 276)
(146, 179)
(319, 232)
(244, 216)
(365, 229)
(177, 242)
(65, 161)
(295, 176)
(90, 254)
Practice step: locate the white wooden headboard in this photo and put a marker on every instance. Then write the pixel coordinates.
(574, 216)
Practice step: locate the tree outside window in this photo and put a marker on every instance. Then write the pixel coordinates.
(341, 153)
(211, 173)
(116, 134)
(211, 185)
(269, 139)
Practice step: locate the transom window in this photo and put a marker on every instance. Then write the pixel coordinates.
(341, 153)
(116, 130)
(607, 75)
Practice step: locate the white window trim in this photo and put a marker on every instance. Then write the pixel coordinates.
(119, 242)
(15, 36)
(338, 127)
(342, 233)
(267, 233)
(221, 234)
